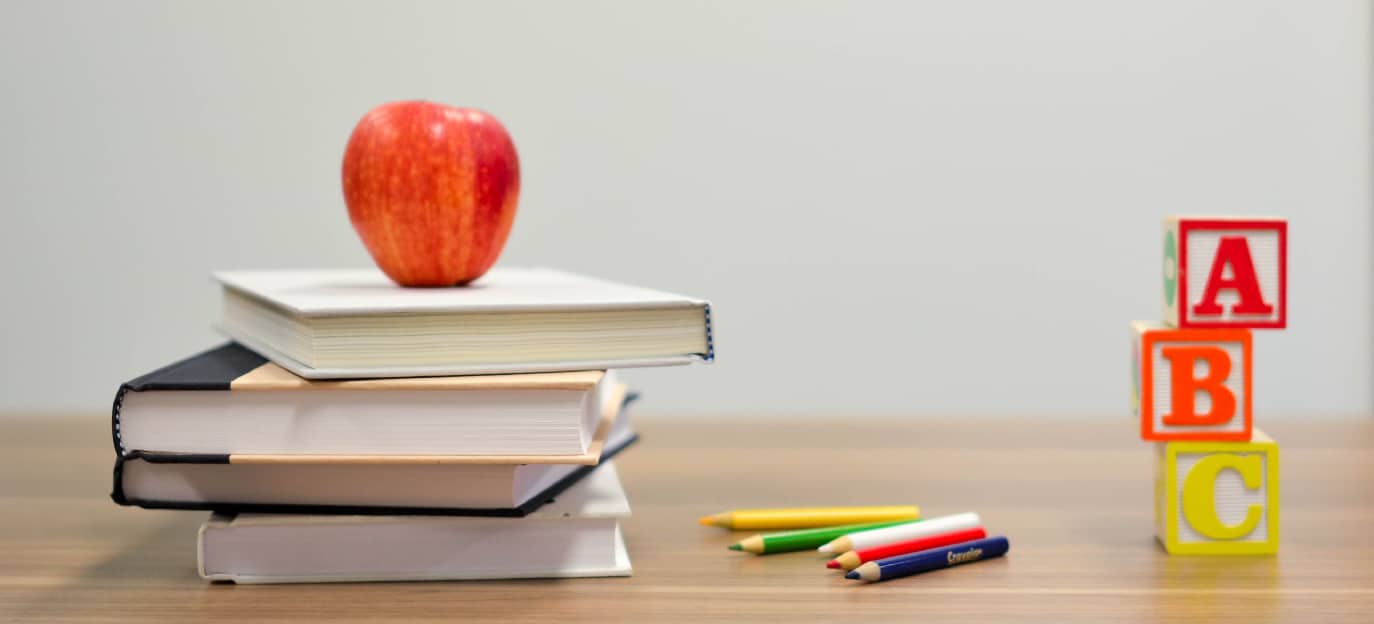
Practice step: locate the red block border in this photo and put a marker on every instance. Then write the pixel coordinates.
(1187, 225)
(1147, 382)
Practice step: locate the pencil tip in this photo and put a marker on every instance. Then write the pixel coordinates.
(736, 547)
(824, 549)
(832, 564)
(852, 575)
(707, 521)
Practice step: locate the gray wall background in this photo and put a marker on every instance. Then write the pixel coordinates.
(897, 208)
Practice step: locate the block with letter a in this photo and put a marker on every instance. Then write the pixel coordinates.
(1225, 272)
(1192, 384)
(1218, 498)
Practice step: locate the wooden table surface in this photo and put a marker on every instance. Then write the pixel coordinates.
(1074, 497)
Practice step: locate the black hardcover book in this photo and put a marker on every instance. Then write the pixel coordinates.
(356, 446)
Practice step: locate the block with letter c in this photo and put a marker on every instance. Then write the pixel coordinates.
(1192, 384)
(1218, 498)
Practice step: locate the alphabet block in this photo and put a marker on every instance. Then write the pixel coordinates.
(1225, 272)
(1217, 498)
(1191, 384)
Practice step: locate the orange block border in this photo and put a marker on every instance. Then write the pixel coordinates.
(1147, 419)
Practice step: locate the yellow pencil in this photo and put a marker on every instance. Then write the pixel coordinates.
(805, 518)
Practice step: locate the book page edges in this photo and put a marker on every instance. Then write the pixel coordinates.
(309, 372)
(622, 567)
(610, 410)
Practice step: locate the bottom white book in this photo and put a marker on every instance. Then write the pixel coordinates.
(577, 535)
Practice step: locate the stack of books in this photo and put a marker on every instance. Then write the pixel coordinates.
(355, 430)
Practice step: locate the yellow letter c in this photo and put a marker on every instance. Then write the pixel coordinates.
(1199, 495)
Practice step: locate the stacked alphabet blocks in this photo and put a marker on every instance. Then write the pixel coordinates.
(1216, 475)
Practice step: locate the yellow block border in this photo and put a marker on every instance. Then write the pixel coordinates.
(1171, 518)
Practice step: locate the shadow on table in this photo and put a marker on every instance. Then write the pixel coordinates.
(153, 577)
(161, 564)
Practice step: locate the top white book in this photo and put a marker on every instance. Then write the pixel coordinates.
(357, 323)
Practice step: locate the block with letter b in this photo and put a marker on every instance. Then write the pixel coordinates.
(1192, 384)
(1218, 498)
(1225, 272)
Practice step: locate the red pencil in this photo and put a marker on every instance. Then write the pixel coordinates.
(855, 558)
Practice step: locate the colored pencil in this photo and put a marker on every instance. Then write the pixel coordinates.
(931, 559)
(788, 541)
(902, 533)
(807, 518)
(853, 558)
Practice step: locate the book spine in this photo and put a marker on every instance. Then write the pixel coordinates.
(114, 419)
(710, 337)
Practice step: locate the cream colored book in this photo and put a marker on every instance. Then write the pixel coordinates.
(577, 535)
(357, 323)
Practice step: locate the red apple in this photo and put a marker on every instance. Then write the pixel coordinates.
(431, 190)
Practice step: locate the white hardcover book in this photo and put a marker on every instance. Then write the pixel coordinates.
(577, 535)
(357, 323)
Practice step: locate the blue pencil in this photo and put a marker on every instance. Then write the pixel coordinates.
(932, 559)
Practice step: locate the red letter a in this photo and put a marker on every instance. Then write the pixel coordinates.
(1233, 250)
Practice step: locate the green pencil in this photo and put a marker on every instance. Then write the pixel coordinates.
(788, 541)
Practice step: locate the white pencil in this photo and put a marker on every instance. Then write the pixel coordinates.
(902, 532)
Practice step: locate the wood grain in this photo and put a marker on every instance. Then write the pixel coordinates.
(1074, 497)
